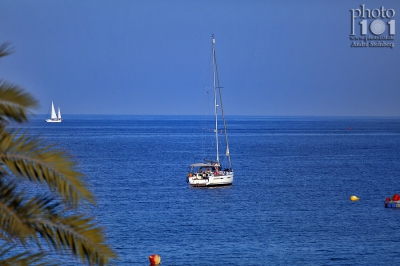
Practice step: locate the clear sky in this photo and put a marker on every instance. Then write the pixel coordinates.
(152, 57)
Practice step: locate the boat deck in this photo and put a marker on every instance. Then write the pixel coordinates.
(392, 204)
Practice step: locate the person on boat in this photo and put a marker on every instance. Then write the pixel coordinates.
(216, 169)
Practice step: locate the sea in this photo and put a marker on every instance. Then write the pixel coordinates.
(289, 203)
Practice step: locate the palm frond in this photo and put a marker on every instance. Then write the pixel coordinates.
(5, 49)
(13, 215)
(32, 159)
(44, 217)
(76, 234)
(25, 258)
(15, 103)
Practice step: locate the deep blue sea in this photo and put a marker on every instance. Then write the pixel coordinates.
(289, 204)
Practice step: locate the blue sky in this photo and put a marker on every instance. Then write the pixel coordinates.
(152, 57)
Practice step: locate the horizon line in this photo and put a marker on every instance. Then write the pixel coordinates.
(242, 115)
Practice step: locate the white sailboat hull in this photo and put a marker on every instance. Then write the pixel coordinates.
(53, 120)
(211, 180)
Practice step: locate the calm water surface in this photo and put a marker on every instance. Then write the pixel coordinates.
(289, 204)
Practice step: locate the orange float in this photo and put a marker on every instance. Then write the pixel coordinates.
(155, 259)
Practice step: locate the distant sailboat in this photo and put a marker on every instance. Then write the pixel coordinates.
(54, 117)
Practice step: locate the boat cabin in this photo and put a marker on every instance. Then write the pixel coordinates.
(203, 170)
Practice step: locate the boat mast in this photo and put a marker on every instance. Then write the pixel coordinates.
(227, 153)
(215, 95)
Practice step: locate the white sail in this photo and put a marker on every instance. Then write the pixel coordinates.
(53, 112)
(59, 113)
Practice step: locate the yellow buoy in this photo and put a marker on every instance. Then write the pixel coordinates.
(354, 198)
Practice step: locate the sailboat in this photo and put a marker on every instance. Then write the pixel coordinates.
(54, 117)
(210, 173)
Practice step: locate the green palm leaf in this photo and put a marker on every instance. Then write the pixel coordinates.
(5, 49)
(14, 103)
(24, 258)
(77, 234)
(12, 215)
(30, 158)
(44, 217)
